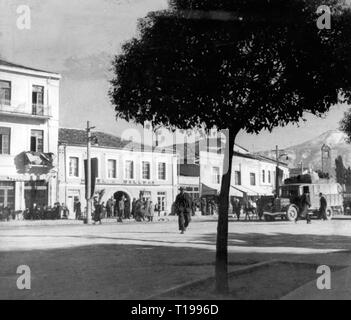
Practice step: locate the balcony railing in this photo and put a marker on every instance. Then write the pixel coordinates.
(23, 109)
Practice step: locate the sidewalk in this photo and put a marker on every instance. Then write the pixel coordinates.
(340, 288)
(24, 223)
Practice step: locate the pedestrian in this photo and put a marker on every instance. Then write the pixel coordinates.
(183, 210)
(97, 212)
(237, 208)
(126, 209)
(260, 208)
(151, 212)
(103, 210)
(305, 203)
(139, 211)
(158, 209)
(147, 210)
(203, 206)
(134, 208)
(108, 208)
(121, 206)
(322, 207)
(78, 209)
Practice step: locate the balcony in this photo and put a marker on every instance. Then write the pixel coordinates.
(24, 110)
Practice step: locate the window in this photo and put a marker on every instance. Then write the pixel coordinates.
(129, 169)
(38, 100)
(263, 176)
(112, 169)
(36, 140)
(161, 201)
(146, 175)
(269, 177)
(216, 178)
(252, 179)
(74, 167)
(5, 140)
(237, 178)
(161, 171)
(5, 92)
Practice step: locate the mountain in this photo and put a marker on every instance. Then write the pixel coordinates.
(309, 152)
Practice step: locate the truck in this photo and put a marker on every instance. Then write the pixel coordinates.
(286, 205)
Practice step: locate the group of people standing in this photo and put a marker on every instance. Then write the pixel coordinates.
(141, 210)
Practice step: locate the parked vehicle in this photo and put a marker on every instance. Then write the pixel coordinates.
(287, 204)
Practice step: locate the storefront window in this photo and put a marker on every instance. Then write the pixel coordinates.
(7, 195)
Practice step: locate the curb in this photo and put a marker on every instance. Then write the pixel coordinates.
(238, 271)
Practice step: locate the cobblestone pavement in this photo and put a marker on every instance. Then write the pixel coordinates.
(138, 260)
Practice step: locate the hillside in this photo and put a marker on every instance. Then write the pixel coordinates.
(309, 152)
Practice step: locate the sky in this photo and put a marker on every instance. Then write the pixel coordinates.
(78, 39)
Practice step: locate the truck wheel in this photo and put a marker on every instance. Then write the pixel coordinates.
(329, 213)
(292, 212)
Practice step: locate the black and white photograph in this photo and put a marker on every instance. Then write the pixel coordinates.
(188, 151)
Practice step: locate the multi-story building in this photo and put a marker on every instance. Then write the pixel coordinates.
(29, 114)
(253, 175)
(123, 168)
(201, 169)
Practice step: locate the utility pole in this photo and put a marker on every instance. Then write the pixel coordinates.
(277, 157)
(88, 177)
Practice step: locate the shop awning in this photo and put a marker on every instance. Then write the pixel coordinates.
(244, 190)
(38, 159)
(208, 191)
(235, 192)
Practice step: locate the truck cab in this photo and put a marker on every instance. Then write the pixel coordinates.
(287, 205)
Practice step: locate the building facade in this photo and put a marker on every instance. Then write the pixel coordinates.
(123, 168)
(29, 115)
(252, 175)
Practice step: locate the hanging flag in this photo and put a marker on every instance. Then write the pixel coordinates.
(94, 173)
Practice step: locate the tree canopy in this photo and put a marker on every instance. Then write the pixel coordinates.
(248, 72)
(233, 64)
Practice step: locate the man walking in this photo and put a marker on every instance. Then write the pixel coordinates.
(322, 207)
(183, 210)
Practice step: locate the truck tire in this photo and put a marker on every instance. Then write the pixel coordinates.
(329, 213)
(291, 212)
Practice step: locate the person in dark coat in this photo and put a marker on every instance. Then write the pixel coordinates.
(183, 209)
(121, 207)
(322, 207)
(77, 208)
(97, 212)
(134, 207)
(305, 203)
(109, 208)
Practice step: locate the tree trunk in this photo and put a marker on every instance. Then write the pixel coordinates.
(222, 227)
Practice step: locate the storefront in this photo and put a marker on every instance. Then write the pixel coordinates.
(7, 195)
(36, 192)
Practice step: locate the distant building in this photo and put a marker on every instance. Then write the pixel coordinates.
(252, 175)
(189, 179)
(29, 115)
(124, 168)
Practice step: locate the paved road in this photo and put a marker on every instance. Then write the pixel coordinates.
(138, 260)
